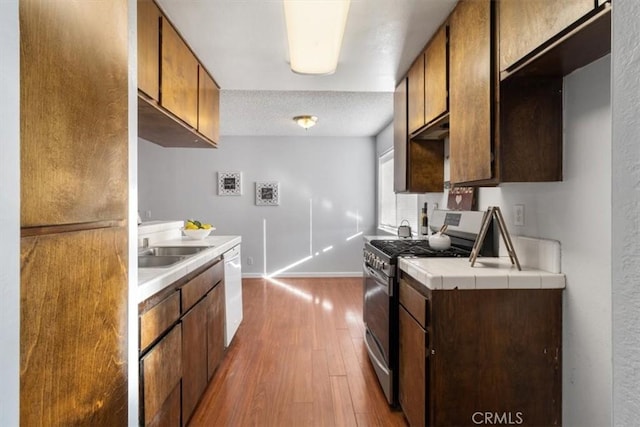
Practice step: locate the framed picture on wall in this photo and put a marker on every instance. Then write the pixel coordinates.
(229, 183)
(267, 193)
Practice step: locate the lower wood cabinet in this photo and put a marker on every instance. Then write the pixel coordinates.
(194, 358)
(478, 352)
(181, 345)
(160, 372)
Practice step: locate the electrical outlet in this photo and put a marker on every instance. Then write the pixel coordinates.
(518, 215)
(249, 260)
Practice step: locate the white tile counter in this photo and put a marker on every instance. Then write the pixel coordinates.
(153, 280)
(488, 273)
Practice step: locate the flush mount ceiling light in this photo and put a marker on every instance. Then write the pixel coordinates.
(314, 30)
(305, 121)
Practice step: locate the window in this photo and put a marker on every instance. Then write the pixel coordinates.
(393, 208)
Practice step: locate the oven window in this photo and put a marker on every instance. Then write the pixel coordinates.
(393, 208)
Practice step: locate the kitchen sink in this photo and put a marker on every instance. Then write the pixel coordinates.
(150, 261)
(175, 250)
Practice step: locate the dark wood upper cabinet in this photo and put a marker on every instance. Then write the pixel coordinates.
(526, 25)
(436, 72)
(179, 76)
(418, 164)
(178, 100)
(149, 49)
(416, 93)
(208, 106)
(471, 92)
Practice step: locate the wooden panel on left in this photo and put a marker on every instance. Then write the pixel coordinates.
(73, 111)
(73, 335)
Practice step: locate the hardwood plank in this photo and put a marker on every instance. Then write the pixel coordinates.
(344, 414)
(295, 360)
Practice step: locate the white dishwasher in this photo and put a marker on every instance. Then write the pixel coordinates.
(232, 292)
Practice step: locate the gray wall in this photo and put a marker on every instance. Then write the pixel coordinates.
(625, 226)
(9, 213)
(332, 177)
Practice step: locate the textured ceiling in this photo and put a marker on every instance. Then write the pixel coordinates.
(243, 44)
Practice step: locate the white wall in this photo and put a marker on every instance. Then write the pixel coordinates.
(577, 212)
(336, 174)
(9, 213)
(625, 226)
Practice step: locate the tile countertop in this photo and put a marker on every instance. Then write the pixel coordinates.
(488, 273)
(153, 280)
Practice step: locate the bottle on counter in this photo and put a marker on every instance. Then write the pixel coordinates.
(424, 227)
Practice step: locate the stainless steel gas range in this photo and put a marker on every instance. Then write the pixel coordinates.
(381, 285)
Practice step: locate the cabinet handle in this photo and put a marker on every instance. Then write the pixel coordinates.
(433, 352)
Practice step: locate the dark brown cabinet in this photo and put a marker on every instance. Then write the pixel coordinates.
(179, 70)
(149, 49)
(464, 352)
(178, 100)
(215, 328)
(194, 358)
(418, 164)
(416, 94)
(471, 88)
(208, 106)
(74, 198)
(436, 67)
(193, 305)
(160, 372)
(509, 131)
(526, 25)
(413, 360)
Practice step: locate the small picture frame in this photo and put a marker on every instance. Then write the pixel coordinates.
(267, 193)
(229, 183)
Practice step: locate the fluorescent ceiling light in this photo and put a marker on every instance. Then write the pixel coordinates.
(315, 29)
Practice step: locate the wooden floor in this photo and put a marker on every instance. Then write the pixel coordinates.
(298, 359)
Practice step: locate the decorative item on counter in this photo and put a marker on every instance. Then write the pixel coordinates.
(462, 199)
(196, 230)
(424, 228)
(229, 183)
(267, 193)
(494, 212)
(440, 241)
(404, 230)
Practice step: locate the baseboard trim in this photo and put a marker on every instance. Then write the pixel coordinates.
(321, 274)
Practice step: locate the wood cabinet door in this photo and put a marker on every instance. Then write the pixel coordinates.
(73, 112)
(436, 90)
(73, 328)
(412, 391)
(149, 48)
(416, 93)
(400, 137)
(208, 106)
(194, 358)
(178, 76)
(525, 25)
(160, 372)
(470, 86)
(215, 328)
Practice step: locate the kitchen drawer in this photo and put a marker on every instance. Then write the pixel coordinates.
(415, 303)
(198, 287)
(160, 373)
(158, 319)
